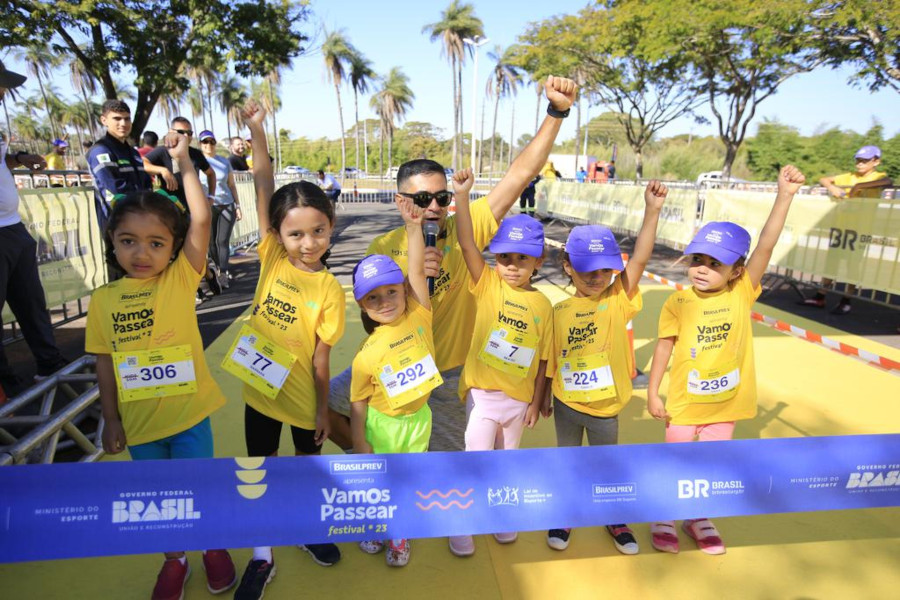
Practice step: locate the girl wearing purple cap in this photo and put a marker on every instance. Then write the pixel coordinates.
(591, 361)
(707, 327)
(503, 377)
(394, 371)
(282, 354)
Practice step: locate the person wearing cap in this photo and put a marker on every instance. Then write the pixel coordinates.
(503, 379)
(158, 162)
(226, 209)
(20, 283)
(394, 371)
(865, 182)
(114, 163)
(56, 161)
(425, 183)
(591, 360)
(706, 330)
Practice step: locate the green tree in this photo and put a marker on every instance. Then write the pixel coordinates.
(232, 97)
(159, 40)
(338, 52)
(774, 146)
(390, 103)
(504, 78)
(84, 82)
(361, 77)
(40, 61)
(458, 21)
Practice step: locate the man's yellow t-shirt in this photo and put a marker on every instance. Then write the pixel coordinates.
(595, 328)
(409, 333)
(55, 162)
(140, 314)
(453, 305)
(511, 324)
(714, 337)
(846, 181)
(293, 309)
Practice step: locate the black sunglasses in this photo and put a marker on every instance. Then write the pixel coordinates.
(423, 199)
(187, 132)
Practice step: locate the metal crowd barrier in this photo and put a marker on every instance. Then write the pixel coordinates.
(34, 430)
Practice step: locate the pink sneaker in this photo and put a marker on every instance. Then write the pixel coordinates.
(462, 545)
(397, 553)
(171, 580)
(220, 574)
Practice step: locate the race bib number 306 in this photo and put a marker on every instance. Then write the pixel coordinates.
(155, 373)
(258, 362)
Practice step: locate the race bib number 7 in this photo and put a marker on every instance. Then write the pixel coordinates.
(509, 351)
(156, 373)
(258, 362)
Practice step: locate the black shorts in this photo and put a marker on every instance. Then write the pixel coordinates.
(263, 435)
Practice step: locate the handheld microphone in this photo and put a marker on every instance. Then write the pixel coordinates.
(431, 230)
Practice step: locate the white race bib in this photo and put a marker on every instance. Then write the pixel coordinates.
(156, 373)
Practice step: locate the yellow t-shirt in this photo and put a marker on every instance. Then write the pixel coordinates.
(55, 162)
(388, 341)
(712, 331)
(585, 327)
(504, 312)
(139, 314)
(846, 181)
(293, 308)
(453, 305)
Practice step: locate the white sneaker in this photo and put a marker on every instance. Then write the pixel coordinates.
(397, 553)
(371, 547)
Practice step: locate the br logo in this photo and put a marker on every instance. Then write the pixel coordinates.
(693, 488)
(842, 238)
(250, 475)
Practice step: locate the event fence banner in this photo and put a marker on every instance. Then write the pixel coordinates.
(109, 508)
(853, 241)
(246, 231)
(70, 250)
(619, 207)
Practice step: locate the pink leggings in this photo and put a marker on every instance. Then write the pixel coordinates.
(494, 421)
(712, 432)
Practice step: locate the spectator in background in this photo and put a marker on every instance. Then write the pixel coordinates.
(549, 172)
(20, 284)
(330, 185)
(526, 200)
(236, 158)
(81, 160)
(611, 171)
(865, 182)
(226, 210)
(56, 161)
(149, 140)
(581, 175)
(116, 166)
(159, 162)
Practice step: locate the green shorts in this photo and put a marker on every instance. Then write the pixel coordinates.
(398, 435)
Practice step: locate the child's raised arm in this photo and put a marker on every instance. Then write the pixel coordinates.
(462, 184)
(654, 195)
(790, 179)
(415, 271)
(196, 241)
(254, 116)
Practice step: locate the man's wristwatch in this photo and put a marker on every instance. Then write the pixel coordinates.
(558, 114)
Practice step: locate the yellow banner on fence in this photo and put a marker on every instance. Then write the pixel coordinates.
(619, 207)
(69, 249)
(853, 241)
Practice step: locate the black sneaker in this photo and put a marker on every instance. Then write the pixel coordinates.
(623, 538)
(558, 539)
(253, 584)
(324, 554)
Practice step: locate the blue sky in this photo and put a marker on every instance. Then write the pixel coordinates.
(389, 34)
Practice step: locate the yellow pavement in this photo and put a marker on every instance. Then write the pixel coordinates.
(804, 390)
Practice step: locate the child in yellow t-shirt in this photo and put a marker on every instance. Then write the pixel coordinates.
(156, 391)
(394, 371)
(282, 354)
(712, 383)
(591, 360)
(503, 379)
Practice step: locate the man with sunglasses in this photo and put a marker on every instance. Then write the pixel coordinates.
(158, 162)
(425, 182)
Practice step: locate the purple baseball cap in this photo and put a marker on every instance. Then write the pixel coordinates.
(61, 143)
(868, 152)
(206, 134)
(592, 247)
(724, 241)
(373, 271)
(520, 234)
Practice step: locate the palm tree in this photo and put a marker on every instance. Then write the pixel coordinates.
(169, 104)
(392, 102)
(267, 97)
(504, 79)
(232, 97)
(458, 21)
(361, 75)
(273, 79)
(39, 63)
(338, 52)
(86, 83)
(195, 101)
